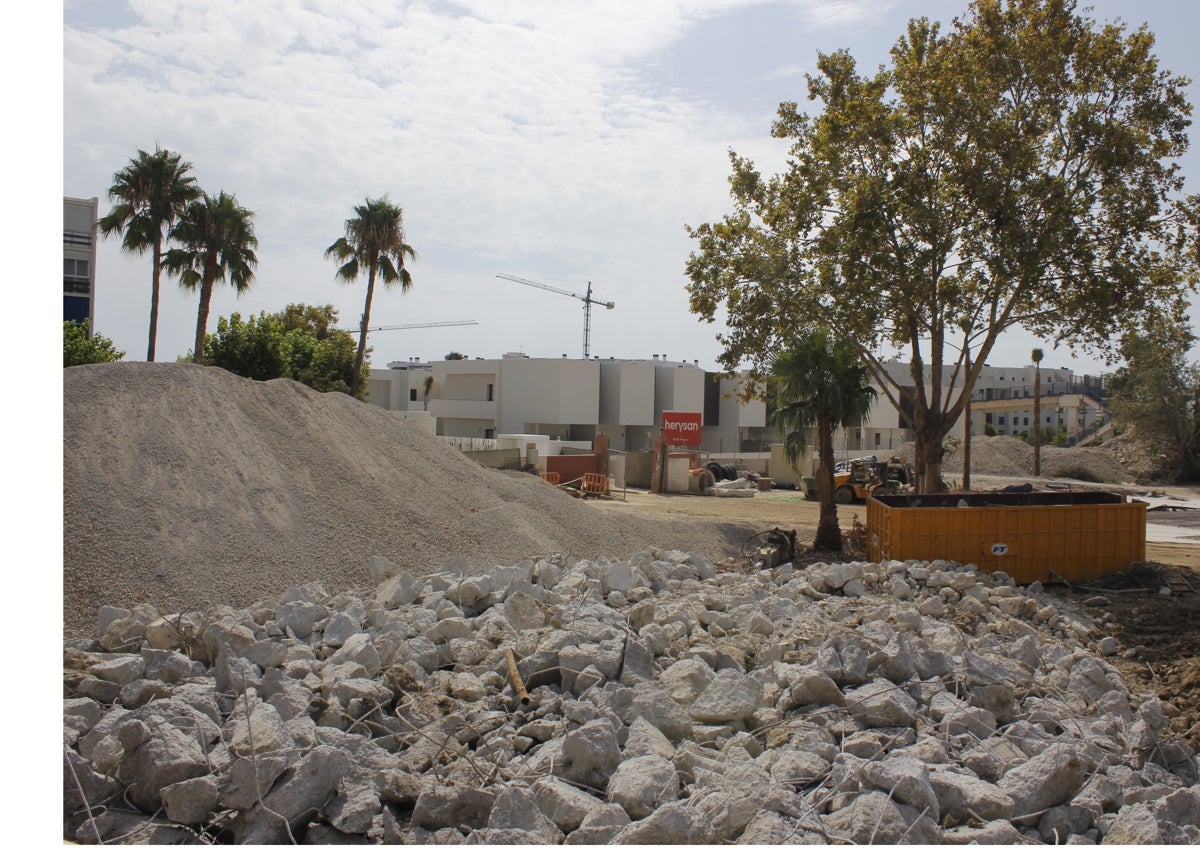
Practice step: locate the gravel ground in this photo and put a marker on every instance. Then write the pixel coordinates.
(186, 486)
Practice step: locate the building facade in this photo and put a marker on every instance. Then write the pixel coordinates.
(570, 399)
(79, 259)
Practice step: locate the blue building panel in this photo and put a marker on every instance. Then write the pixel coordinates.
(75, 308)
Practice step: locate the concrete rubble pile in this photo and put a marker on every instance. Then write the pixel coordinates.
(667, 702)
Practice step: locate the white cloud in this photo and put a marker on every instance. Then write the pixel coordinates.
(525, 137)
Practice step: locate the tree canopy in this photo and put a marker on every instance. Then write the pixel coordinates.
(1157, 391)
(300, 342)
(1019, 170)
(79, 347)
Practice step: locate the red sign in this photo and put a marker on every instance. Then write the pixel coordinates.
(681, 428)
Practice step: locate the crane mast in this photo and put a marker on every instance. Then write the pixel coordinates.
(587, 300)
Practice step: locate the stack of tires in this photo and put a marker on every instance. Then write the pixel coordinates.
(722, 472)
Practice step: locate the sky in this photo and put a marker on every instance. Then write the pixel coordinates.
(562, 142)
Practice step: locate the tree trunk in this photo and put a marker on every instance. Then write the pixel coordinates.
(154, 285)
(362, 335)
(206, 288)
(932, 451)
(829, 533)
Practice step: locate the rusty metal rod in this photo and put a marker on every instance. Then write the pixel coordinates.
(515, 677)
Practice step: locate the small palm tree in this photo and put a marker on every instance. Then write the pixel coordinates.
(428, 390)
(374, 240)
(1037, 356)
(148, 196)
(820, 383)
(217, 243)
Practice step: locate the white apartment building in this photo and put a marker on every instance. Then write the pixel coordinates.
(1002, 400)
(400, 387)
(569, 399)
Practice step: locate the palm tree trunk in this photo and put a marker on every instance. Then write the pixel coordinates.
(206, 288)
(829, 533)
(154, 285)
(362, 335)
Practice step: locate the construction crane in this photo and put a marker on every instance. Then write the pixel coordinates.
(416, 325)
(587, 300)
(423, 325)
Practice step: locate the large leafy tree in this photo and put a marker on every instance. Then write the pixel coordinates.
(819, 383)
(81, 347)
(217, 242)
(1157, 392)
(300, 342)
(148, 195)
(374, 242)
(1018, 171)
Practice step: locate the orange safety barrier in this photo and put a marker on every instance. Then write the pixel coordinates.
(551, 478)
(594, 484)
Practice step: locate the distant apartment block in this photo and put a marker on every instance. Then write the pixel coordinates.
(571, 399)
(79, 258)
(1002, 399)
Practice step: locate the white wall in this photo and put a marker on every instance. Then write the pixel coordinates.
(677, 388)
(548, 391)
(392, 388)
(627, 393)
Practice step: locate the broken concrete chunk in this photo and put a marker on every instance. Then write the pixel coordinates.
(191, 801)
(453, 806)
(643, 783)
(730, 696)
(880, 703)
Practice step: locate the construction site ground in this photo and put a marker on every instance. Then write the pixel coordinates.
(1158, 633)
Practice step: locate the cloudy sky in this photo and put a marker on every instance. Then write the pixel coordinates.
(564, 142)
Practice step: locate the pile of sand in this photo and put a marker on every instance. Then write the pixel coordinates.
(185, 486)
(1001, 455)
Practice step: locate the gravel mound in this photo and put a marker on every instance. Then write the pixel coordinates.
(1002, 455)
(187, 486)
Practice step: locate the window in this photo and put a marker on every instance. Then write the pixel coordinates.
(878, 439)
(491, 394)
(74, 268)
(1000, 421)
(412, 394)
(1026, 421)
(489, 433)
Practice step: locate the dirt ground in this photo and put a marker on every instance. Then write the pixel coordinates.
(1158, 633)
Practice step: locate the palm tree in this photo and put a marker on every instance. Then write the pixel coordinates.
(217, 243)
(428, 390)
(148, 195)
(820, 383)
(375, 240)
(1037, 356)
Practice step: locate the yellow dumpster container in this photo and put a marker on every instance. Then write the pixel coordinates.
(1045, 537)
